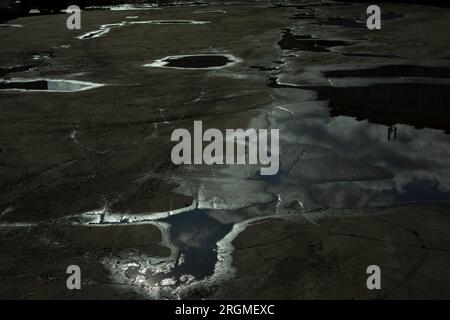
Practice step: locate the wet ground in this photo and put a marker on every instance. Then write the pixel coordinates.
(86, 176)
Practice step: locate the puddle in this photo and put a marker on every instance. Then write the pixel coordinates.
(393, 117)
(418, 158)
(393, 71)
(191, 234)
(5, 71)
(196, 235)
(417, 104)
(369, 55)
(200, 61)
(169, 22)
(353, 195)
(346, 22)
(340, 22)
(294, 42)
(47, 85)
(415, 95)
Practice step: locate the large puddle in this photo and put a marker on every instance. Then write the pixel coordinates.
(394, 117)
(48, 85)
(200, 61)
(421, 105)
(418, 159)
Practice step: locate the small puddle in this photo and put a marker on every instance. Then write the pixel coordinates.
(294, 42)
(200, 61)
(47, 85)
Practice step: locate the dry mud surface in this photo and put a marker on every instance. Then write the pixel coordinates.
(86, 176)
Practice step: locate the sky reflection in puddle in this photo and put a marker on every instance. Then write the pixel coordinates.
(418, 158)
(196, 235)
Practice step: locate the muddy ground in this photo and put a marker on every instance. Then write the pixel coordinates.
(86, 176)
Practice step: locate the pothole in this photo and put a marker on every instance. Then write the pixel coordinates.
(47, 85)
(200, 61)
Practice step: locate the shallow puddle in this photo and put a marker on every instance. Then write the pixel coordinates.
(47, 85)
(415, 95)
(201, 61)
(403, 70)
(294, 42)
(196, 235)
(394, 117)
(133, 7)
(169, 22)
(417, 104)
(417, 158)
(346, 22)
(5, 71)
